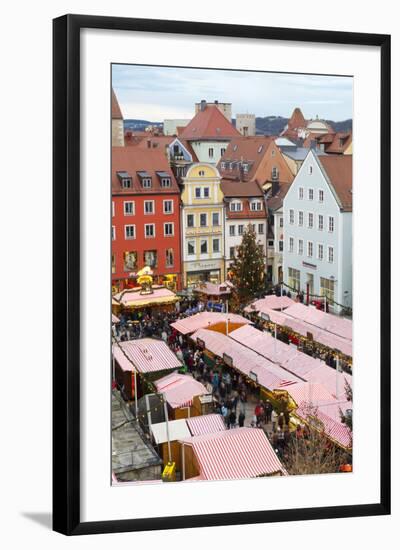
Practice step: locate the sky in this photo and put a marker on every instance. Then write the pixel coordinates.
(156, 93)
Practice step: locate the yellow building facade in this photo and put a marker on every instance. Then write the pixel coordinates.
(202, 225)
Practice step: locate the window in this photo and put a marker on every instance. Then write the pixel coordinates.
(191, 248)
(291, 216)
(149, 207)
(280, 246)
(240, 229)
(311, 194)
(330, 254)
(203, 220)
(253, 227)
(255, 206)
(331, 224)
(327, 288)
(203, 246)
(275, 173)
(215, 245)
(112, 263)
(190, 220)
(150, 258)
(146, 183)
(206, 192)
(321, 195)
(168, 207)
(301, 193)
(320, 252)
(291, 244)
(235, 206)
(261, 228)
(222, 165)
(223, 151)
(211, 152)
(215, 218)
(273, 153)
(127, 183)
(310, 170)
(300, 218)
(113, 233)
(270, 244)
(165, 182)
(198, 192)
(232, 253)
(129, 208)
(231, 230)
(168, 229)
(169, 257)
(310, 220)
(320, 222)
(300, 247)
(245, 167)
(149, 230)
(112, 209)
(129, 232)
(281, 221)
(310, 249)
(294, 278)
(201, 173)
(130, 260)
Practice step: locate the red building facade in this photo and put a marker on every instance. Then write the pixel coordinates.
(145, 217)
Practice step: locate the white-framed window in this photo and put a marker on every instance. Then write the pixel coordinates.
(240, 229)
(310, 168)
(327, 288)
(291, 216)
(129, 208)
(280, 246)
(149, 230)
(321, 195)
(331, 224)
(168, 229)
(235, 206)
(223, 151)
(130, 232)
(113, 233)
(231, 230)
(190, 220)
(311, 194)
(291, 244)
(169, 257)
(261, 229)
(300, 247)
(294, 278)
(275, 173)
(206, 192)
(215, 218)
(148, 207)
(310, 220)
(300, 218)
(310, 249)
(231, 252)
(215, 245)
(301, 193)
(281, 221)
(191, 248)
(320, 222)
(168, 206)
(203, 246)
(201, 173)
(255, 206)
(320, 251)
(146, 183)
(112, 209)
(127, 183)
(165, 182)
(330, 254)
(197, 192)
(203, 220)
(211, 152)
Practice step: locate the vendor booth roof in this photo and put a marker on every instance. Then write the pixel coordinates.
(134, 297)
(206, 424)
(115, 319)
(239, 453)
(212, 289)
(309, 393)
(321, 336)
(324, 321)
(147, 354)
(177, 429)
(179, 389)
(206, 319)
(272, 302)
(263, 371)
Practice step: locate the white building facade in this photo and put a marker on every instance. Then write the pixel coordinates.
(317, 220)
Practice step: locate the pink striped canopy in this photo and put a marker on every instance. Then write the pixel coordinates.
(325, 321)
(206, 319)
(206, 424)
(271, 302)
(309, 393)
(147, 355)
(179, 389)
(239, 453)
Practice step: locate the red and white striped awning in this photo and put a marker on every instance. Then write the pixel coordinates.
(326, 321)
(147, 355)
(209, 423)
(206, 319)
(272, 301)
(240, 453)
(179, 389)
(329, 416)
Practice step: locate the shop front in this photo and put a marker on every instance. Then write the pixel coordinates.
(202, 272)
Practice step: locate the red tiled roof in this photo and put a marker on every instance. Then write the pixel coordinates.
(234, 188)
(340, 142)
(249, 150)
(297, 120)
(209, 124)
(115, 108)
(133, 160)
(340, 174)
(274, 202)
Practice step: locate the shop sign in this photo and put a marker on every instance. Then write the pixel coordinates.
(311, 266)
(265, 316)
(204, 265)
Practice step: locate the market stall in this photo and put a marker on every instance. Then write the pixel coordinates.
(179, 391)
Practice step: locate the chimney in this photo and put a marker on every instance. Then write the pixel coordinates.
(149, 143)
(203, 105)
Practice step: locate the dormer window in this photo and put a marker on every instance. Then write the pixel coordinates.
(165, 182)
(255, 206)
(245, 167)
(236, 207)
(275, 173)
(146, 183)
(126, 183)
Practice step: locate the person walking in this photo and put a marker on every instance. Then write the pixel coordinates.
(281, 420)
(241, 419)
(268, 411)
(232, 419)
(274, 417)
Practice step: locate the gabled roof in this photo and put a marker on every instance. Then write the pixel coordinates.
(134, 160)
(115, 108)
(250, 150)
(339, 172)
(209, 124)
(297, 120)
(231, 188)
(340, 142)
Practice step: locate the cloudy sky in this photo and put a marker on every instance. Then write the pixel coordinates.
(156, 93)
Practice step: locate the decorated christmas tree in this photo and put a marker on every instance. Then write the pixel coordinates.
(247, 272)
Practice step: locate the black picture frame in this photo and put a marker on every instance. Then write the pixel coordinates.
(66, 273)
